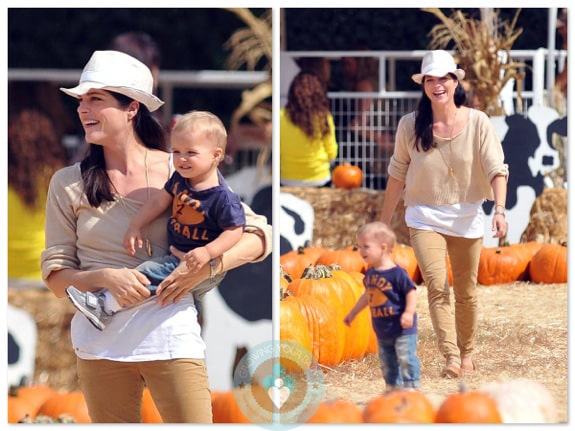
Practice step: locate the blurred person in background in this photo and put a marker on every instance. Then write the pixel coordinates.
(362, 142)
(308, 145)
(35, 152)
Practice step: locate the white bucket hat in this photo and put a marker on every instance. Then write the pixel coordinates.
(120, 73)
(438, 63)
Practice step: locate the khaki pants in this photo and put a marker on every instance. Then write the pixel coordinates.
(113, 389)
(455, 337)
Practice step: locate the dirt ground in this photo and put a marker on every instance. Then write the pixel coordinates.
(522, 334)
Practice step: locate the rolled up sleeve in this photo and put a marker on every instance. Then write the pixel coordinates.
(401, 158)
(60, 246)
(258, 224)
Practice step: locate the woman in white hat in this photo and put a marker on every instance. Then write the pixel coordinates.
(447, 160)
(157, 343)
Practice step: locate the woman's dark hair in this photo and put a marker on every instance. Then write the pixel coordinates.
(424, 116)
(97, 184)
(308, 105)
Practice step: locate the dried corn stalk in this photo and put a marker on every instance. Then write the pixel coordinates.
(483, 50)
(248, 46)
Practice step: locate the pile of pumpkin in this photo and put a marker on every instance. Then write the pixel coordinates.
(43, 404)
(528, 261)
(319, 287)
(511, 401)
(497, 402)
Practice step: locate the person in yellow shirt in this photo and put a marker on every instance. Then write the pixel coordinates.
(34, 154)
(308, 144)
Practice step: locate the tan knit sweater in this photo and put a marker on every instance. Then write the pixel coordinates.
(475, 154)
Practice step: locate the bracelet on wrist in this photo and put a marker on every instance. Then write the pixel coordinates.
(500, 206)
(214, 264)
(497, 212)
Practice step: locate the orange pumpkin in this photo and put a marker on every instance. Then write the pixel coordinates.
(225, 409)
(501, 265)
(66, 403)
(347, 258)
(404, 256)
(372, 337)
(294, 324)
(314, 251)
(150, 413)
(358, 333)
(346, 176)
(336, 412)
(549, 265)
(26, 401)
(294, 262)
(399, 407)
(327, 339)
(468, 407)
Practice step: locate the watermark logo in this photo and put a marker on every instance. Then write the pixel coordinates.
(278, 383)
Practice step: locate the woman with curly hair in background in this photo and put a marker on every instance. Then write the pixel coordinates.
(35, 152)
(307, 134)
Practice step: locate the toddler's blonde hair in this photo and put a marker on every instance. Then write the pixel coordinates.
(204, 122)
(381, 231)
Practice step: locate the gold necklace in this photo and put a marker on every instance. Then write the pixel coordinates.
(451, 172)
(147, 243)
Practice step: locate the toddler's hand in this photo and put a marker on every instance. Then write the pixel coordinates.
(406, 320)
(196, 258)
(348, 319)
(132, 237)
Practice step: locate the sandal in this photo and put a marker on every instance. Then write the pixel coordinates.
(466, 371)
(452, 370)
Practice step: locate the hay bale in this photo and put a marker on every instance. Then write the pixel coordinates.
(548, 218)
(55, 363)
(339, 213)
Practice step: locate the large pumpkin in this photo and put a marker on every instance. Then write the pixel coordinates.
(468, 407)
(336, 412)
(26, 401)
(372, 346)
(549, 265)
(347, 258)
(327, 339)
(150, 413)
(66, 403)
(501, 265)
(404, 256)
(294, 262)
(225, 409)
(293, 323)
(346, 176)
(358, 333)
(399, 407)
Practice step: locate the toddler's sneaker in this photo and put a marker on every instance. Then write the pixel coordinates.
(90, 305)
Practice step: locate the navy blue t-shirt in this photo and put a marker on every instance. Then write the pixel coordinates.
(386, 292)
(200, 217)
